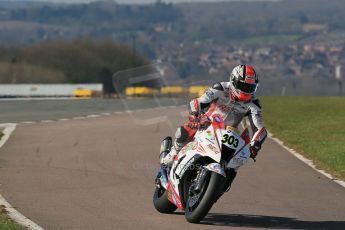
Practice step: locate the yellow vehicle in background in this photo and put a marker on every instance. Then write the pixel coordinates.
(143, 91)
(85, 93)
(172, 90)
(139, 91)
(197, 91)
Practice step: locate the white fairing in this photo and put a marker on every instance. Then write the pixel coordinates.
(242, 150)
(215, 167)
(208, 143)
(240, 159)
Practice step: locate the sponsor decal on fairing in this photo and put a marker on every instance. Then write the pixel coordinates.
(190, 146)
(213, 149)
(173, 197)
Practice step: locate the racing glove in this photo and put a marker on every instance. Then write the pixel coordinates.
(198, 121)
(194, 120)
(204, 121)
(254, 150)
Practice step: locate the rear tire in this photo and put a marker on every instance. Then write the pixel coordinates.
(210, 196)
(161, 202)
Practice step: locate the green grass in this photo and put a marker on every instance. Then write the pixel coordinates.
(6, 223)
(314, 126)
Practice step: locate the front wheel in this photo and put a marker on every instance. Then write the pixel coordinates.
(198, 206)
(161, 202)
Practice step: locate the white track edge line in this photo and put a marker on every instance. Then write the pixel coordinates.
(305, 160)
(7, 131)
(63, 119)
(28, 122)
(99, 115)
(15, 215)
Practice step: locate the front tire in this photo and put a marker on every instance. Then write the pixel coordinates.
(161, 202)
(196, 214)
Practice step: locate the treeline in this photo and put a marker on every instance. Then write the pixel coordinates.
(79, 61)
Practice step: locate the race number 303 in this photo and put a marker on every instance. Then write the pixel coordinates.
(231, 140)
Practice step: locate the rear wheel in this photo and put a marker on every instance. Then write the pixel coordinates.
(161, 202)
(198, 205)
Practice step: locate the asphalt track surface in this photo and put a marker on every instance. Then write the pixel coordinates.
(12, 110)
(98, 173)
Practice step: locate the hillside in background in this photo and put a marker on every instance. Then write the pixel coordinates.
(224, 20)
(221, 21)
(291, 41)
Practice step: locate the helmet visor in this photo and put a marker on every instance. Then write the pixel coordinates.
(245, 87)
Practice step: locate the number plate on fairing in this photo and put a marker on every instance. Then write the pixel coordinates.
(231, 140)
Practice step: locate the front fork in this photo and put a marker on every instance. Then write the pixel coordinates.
(203, 175)
(200, 180)
(229, 175)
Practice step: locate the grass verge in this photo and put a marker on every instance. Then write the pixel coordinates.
(313, 126)
(6, 223)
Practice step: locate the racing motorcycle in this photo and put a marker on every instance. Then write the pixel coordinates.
(202, 171)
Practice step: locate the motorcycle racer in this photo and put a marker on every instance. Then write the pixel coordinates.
(236, 100)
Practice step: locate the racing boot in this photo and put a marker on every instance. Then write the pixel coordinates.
(168, 151)
(166, 145)
(167, 157)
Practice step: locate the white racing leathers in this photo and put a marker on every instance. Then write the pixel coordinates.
(233, 111)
